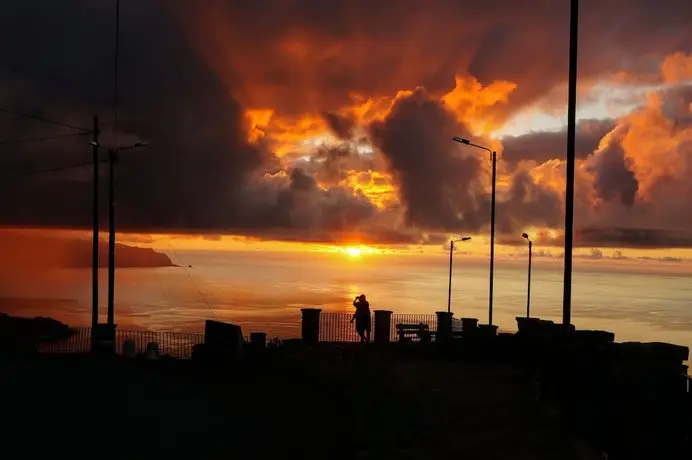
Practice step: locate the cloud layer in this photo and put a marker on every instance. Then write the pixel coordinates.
(332, 121)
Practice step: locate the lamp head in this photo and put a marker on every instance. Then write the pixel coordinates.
(461, 140)
(525, 235)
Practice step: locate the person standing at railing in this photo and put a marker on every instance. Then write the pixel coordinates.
(362, 317)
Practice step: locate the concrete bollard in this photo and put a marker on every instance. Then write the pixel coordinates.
(103, 339)
(258, 340)
(487, 330)
(383, 326)
(129, 348)
(152, 351)
(444, 326)
(310, 325)
(469, 326)
(223, 341)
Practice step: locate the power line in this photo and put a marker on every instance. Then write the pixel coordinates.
(48, 170)
(44, 138)
(44, 120)
(189, 276)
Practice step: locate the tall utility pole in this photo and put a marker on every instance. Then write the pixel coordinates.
(111, 238)
(95, 235)
(569, 182)
(112, 158)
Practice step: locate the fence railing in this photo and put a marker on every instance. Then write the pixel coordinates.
(334, 327)
(337, 327)
(175, 344)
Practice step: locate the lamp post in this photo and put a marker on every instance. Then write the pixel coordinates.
(112, 159)
(451, 251)
(95, 229)
(570, 162)
(528, 289)
(493, 157)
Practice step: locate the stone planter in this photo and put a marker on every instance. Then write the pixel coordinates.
(487, 330)
(258, 340)
(527, 325)
(469, 324)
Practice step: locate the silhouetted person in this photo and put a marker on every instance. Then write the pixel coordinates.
(362, 317)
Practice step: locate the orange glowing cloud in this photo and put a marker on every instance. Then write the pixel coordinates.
(289, 134)
(653, 145)
(377, 186)
(677, 67)
(472, 102)
(258, 122)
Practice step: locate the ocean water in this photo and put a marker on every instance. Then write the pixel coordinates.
(264, 291)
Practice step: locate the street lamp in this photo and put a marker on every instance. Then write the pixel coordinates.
(451, 251)
(112, 159)
(493, 157)
(528, 289)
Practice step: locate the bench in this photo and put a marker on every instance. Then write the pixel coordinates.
(405, 332)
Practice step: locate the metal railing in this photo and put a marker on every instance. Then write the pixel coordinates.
(334, 327)
(337, 327)
(175, 344)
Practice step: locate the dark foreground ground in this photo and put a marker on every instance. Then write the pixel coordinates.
(328, 402)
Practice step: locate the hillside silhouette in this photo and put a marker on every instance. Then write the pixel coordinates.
(34, 250)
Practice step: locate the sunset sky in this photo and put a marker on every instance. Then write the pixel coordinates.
(330, 122)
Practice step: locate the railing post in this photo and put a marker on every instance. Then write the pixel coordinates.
(444, 326)
(310, 325)
(383, 326)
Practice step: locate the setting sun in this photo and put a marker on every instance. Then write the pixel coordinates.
(353, 252)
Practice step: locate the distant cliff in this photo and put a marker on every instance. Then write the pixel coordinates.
(125, 256)
(43, 251)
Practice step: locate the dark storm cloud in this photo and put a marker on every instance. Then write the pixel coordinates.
(189, 69)
(676, 105)
(438, 184)
(641, 175)
(528, 204)
(328, 51)
(199, 173)
(595, 237)
(342, 126)
(634, 238)
(441, 183)
(548, 145)
(614, 179)
(333, 164)
(297, 202)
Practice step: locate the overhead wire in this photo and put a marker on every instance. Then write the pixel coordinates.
(199, 291)
(42, 138)
(43, 119)
(47, 170)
